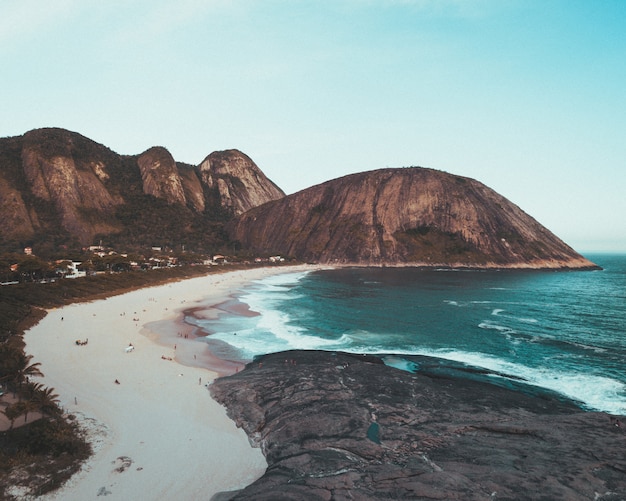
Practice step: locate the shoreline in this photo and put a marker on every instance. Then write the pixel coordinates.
(193, 347)
(158, 433)
(372, 432)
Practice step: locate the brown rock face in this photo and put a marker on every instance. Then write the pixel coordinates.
(240, 183)
(59, 185)
(411, 216)
(16, 218)
(160, 175)
(57, 172)
(194, 193)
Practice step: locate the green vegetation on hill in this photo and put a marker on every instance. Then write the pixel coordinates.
(147, 221)
(428, 244)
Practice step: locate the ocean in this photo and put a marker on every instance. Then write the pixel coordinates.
(562, 331)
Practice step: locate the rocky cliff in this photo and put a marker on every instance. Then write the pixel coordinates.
(160, 176)
(58, 185)
(413, 216)
(337, 426)
(60, 188)
(240, 183)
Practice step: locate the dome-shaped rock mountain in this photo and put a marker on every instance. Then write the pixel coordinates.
(412, 216)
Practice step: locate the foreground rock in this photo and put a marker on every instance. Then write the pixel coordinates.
(338, 426)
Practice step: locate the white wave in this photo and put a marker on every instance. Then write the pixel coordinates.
(272, 332)
(596, 349)
(596, 392)
(283, 279)
(488, 325)
(528, 320)
(360, 337)
(497, 312)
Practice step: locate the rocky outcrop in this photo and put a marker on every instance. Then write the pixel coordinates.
(57, 172)
(240, 183)
(412, 216)
(59, 185)
(194, 192)
(160, 175)
(16, 218)
(336, 426)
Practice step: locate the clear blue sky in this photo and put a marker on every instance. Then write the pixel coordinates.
(528, 97)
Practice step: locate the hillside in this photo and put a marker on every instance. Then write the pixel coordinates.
(413, 216)
(60, 188)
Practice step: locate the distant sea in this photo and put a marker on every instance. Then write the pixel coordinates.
(562, 331)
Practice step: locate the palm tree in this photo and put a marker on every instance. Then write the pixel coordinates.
(29, 398)
(33, 397)
(25, 369)
(12, 412)
(17, 368)
(45, 400)
(8, 352)
(26, 406)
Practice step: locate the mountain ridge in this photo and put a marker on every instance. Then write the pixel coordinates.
(58, 184)
(61, 189)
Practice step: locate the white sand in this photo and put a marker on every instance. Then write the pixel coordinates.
(160, 425)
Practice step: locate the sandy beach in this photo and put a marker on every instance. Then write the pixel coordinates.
(156, 431)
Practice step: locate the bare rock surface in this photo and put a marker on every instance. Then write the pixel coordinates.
(412, 216)
(59, 182)
(240, 183)
(336, 426)
(160, 175)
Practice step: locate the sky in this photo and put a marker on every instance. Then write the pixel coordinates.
(526, 96)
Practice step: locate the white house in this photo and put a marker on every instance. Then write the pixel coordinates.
(72, 270)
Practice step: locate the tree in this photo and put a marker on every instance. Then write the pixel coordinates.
(16, 368)
(43, 398)
(12, 412)
(7, 353)
(6, 261)
(26, 406)
(63, 267)
(33, 267)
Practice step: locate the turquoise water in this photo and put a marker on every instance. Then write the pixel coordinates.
(562, 331)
